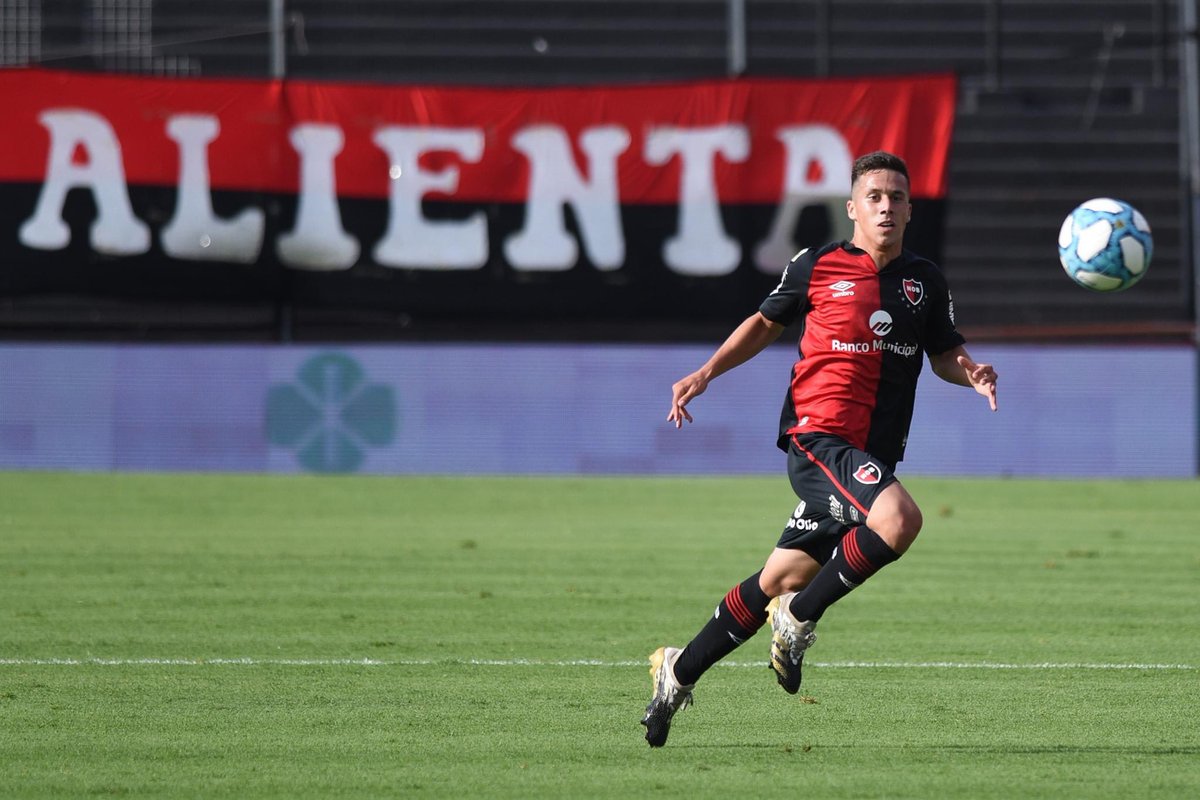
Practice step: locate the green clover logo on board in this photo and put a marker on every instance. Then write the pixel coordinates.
(331, 415)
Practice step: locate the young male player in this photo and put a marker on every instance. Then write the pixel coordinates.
(871, 310)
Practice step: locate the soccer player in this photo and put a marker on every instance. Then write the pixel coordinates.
(870, 310)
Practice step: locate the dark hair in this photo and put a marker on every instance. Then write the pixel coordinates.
(878, 160)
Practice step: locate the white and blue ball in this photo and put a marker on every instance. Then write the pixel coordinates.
(1105, 245)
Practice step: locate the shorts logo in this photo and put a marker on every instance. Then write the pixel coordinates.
(842, 288)
(798, 522)
(914, 292)
(835, 509)
(869, 473)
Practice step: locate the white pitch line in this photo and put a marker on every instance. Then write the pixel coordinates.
(535, 662)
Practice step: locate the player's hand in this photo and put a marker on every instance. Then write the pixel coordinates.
(682, 393)
(982, 378)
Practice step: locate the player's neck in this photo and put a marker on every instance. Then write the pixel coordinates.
(881, 256)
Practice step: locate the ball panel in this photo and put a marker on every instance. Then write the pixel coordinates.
(1133, 254)
(1099, 281)
(1094, 239)
(1066, 232)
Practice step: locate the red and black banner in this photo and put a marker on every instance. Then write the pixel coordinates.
(423, 205)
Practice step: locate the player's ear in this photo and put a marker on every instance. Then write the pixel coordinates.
(850, 210)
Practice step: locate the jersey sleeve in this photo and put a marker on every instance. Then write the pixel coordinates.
(789, 299)
(941, 334)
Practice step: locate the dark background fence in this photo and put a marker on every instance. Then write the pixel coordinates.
(1059, 101)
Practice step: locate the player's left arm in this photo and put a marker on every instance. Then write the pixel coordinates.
(957, 366)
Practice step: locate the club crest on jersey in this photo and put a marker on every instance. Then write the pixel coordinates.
(869, 473)
(914, 292)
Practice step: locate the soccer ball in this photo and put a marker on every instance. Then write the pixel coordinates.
(1105, 245)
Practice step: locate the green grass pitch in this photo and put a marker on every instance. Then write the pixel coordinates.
(265, 636)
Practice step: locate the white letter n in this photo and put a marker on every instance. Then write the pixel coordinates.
(544, 244)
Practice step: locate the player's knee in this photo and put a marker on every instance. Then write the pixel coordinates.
(787, 571)
(896, 518)
(908, 525)
(899, 529)
(782, 584)
(784, 576)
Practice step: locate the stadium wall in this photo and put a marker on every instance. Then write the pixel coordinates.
(558, 409)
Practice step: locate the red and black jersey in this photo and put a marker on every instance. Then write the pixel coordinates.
(864, 335)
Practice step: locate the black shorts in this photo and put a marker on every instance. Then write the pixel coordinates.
(837, 484)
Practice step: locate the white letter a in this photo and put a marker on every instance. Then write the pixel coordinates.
(116, 231)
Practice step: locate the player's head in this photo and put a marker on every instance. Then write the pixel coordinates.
(879, 202)
(873, 162)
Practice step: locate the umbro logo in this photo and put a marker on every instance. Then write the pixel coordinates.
(842, 288)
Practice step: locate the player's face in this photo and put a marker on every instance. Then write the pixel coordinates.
(879, 205)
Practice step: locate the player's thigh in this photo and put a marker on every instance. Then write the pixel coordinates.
(813, 530)
(837, 479)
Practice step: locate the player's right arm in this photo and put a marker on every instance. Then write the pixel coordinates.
(781, 308)
(747, 340)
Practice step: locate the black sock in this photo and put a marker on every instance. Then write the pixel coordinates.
(860, 555)
(738, 616)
